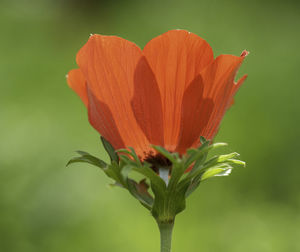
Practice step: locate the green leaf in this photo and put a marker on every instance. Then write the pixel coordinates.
(159, 199)
(201, 152)
(200, 156)
(169, 192)
(192, 187)
(140, 192)
(197, 154)
(135, 157)
(236, 162)
(83, 153)
(218, 170)
(178, 170)
(132, 154)
(180, 198)
(165, 153)
(150, 174)
(203, 140)
(114, 171)
(177, 167)
(220, 159)
(116, 184)
(110, 150)
(87, 158)
(145, 170)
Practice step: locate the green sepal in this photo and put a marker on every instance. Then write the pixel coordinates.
(131, 153)
(236, 162)
(221, 158)
(114, 171)
(172, 184)
(88, 158)
(192, 187)
(140, 192)
(110, 150)
(197, 154)
(165, 153)
(217, 170)
(116, 184)
(158, 185)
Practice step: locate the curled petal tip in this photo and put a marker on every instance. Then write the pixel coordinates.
(91, 34)
(244, 53)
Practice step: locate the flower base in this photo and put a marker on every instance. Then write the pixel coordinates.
(163, 190)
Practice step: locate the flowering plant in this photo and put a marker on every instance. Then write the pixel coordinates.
(157, 110)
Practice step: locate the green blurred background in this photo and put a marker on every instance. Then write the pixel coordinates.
(45, 207)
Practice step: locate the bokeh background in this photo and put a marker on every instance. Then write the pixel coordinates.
(47, 207)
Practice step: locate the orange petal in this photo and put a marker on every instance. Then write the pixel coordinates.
(196, 112)
(176, 57)
(235, 88)
(77, 82)
(146, 103)
(101, 118)
(219, 85)
(109, 65)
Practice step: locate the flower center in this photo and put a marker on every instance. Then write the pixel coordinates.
(157, 161)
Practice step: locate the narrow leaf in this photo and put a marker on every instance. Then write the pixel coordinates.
(203, 140)
(236, 162)
(87, 158)
(140, 192)
(192, 187)
(110, 150)
(165, 153)
(220, 170)
(219, 159)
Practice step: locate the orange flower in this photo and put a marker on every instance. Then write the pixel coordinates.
(168, 94)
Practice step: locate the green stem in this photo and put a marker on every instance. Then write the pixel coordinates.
(165, 230)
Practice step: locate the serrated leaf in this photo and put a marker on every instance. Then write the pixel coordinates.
(110, 150)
